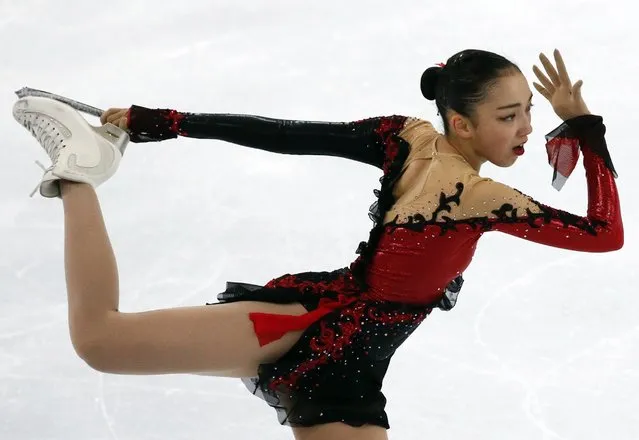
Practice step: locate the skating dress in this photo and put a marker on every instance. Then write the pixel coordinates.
(424, 237)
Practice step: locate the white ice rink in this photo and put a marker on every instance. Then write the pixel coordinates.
(543, 344)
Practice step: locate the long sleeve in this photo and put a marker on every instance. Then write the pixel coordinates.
(364, 141)
(514, 213)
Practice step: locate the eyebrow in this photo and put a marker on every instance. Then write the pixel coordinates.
(514, 105)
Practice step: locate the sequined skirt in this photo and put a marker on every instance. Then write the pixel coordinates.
(334, 372)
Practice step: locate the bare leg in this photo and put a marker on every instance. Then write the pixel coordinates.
(219, 340)
(90, 266)
(340, 431)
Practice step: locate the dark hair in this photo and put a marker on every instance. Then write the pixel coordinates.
(464, 81)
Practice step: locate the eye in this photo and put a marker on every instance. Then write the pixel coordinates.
(511, 117)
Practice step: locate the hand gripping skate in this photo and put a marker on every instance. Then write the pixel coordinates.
(78, 151)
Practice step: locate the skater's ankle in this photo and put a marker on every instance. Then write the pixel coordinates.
(68, 186)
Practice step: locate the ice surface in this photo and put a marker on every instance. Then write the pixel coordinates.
(543, 344)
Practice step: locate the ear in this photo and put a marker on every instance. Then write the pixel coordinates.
(461, 126)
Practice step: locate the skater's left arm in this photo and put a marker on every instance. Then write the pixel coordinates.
(508, 210)
(364, 140)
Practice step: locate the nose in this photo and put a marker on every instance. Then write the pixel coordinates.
(526, 129)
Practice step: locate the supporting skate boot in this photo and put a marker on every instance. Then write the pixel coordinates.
(79, 152)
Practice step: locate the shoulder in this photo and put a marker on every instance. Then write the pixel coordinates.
(414, 126)
(484, 197)
(418, 132)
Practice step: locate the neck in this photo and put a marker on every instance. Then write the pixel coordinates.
(465, 149)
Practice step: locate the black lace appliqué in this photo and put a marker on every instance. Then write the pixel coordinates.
(505, 214)
(400, 149)
(418, 222)
(397, 150)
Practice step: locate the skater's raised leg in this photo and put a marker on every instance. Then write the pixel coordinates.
(198, 339)
(205, 339)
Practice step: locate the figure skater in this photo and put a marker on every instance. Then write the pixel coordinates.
(316, 345)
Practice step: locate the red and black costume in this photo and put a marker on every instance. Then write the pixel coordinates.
(411, 263)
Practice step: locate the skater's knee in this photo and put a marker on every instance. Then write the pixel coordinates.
(91, 352)
(92, 343)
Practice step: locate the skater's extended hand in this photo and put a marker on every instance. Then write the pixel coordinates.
(565, 97)
(116, 116)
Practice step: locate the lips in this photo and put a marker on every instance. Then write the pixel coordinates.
(519, 150)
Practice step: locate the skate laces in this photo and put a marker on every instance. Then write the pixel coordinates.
(48, 136)
(45, 171)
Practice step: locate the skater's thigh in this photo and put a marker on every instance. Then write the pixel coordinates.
(340, 431)
(215, 339)
(236, 342)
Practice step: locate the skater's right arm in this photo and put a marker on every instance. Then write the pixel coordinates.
(364, 141)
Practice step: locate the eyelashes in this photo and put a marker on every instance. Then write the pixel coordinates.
(512, 116)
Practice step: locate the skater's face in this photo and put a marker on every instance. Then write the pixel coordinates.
(501, 122)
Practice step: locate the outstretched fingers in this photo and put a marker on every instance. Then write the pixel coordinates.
(542, 91)
(550, 70)
(561, 67)
(576, 90)
(553, 78)
(545, 82)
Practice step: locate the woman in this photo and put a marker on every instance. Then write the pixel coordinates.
(316, 345)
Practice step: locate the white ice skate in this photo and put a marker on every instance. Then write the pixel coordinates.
(79, 151)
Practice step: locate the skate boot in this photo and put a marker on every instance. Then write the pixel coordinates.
(79, 152)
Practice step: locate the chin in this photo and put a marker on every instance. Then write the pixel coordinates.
(506, 163)
(512, 162)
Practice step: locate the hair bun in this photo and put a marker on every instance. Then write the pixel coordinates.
(429, 82)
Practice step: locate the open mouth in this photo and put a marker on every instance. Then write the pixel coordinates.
(519, 150)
